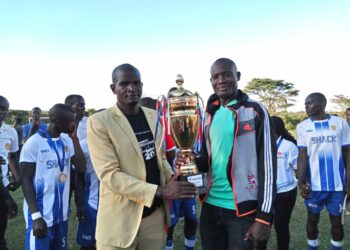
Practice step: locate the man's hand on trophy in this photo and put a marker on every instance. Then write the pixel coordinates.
(183, 159)
(175, 189)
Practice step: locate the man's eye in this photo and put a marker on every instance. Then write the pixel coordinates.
(228, 74)
(123, 84)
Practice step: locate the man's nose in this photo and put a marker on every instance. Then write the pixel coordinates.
(131, 86)
(221, 78)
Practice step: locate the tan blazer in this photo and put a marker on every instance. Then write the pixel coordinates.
(119, 164)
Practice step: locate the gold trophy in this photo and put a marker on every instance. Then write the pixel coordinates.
(184, 122)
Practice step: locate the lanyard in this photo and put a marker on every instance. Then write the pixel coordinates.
(52, 144)
(279, 141)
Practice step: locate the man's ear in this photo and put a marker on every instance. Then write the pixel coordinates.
(112, 86)
(238, 75)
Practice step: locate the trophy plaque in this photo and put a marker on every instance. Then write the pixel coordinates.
(185, 122)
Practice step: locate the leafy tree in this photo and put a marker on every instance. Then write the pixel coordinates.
(342, 101)
(275, 94)
(23, 114)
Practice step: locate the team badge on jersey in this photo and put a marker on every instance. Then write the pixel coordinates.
(7, 146)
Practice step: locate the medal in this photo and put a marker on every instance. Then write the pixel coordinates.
(62, 177)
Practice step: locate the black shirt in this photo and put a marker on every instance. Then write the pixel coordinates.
(145, 138)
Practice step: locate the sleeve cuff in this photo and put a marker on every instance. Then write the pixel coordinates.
(264, 218)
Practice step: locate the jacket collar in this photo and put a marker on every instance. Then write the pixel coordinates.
(214, 102)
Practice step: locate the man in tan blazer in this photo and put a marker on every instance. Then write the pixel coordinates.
(135, 178)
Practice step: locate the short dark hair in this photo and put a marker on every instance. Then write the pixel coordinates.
(55, 112)
(69, 101)
(320, 97)
(36, 108)
(224, 61)
(123, 67)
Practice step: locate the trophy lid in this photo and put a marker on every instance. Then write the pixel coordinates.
(180, 91)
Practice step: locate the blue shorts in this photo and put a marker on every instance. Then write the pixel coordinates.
(183, 208)
(56, 238)
(86, 230)
(332, 200)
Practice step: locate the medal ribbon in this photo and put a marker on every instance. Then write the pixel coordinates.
(52, 144)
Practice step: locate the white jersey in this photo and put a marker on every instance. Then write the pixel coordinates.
(91, 191)
(52, 195)
(82, 128)
(8, 144)
(287, 154)
(323, 141)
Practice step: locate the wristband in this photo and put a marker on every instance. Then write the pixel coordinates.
(36, 216)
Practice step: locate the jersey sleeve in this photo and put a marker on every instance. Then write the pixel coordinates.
(29, 150)
(293, 155)
(14, 142)
(300, 136)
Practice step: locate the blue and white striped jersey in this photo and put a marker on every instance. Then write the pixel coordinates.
(52, 195)
(324, 140)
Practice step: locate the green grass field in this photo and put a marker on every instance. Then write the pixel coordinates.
(16, 230)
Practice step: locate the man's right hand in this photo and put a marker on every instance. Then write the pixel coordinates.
(12, 207)
(39, 228)
(176, 189)
(304, 190)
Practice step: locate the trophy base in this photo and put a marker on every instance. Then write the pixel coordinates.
(198, 180)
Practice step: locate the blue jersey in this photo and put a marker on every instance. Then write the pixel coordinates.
(52, 194)
(28, 127)
(323, 141)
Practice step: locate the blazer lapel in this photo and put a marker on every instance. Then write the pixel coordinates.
(126, 127)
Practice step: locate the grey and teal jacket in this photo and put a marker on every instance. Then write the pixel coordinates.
(251, 169)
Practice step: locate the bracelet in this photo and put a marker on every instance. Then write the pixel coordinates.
(36, 216)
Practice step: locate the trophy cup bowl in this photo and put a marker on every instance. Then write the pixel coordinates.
(184, 127)
(184, 122)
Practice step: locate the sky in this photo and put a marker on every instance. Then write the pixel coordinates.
(50, 49)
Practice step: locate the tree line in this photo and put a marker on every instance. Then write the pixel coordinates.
(276, 95)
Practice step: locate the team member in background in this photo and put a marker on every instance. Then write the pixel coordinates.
(347, 115)
(77, 103)
(86, 198)
(287, 154)
(87, 192)
(324, 156)
(32, 127)
(45, 173)
(8, 158)
(18, 126)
